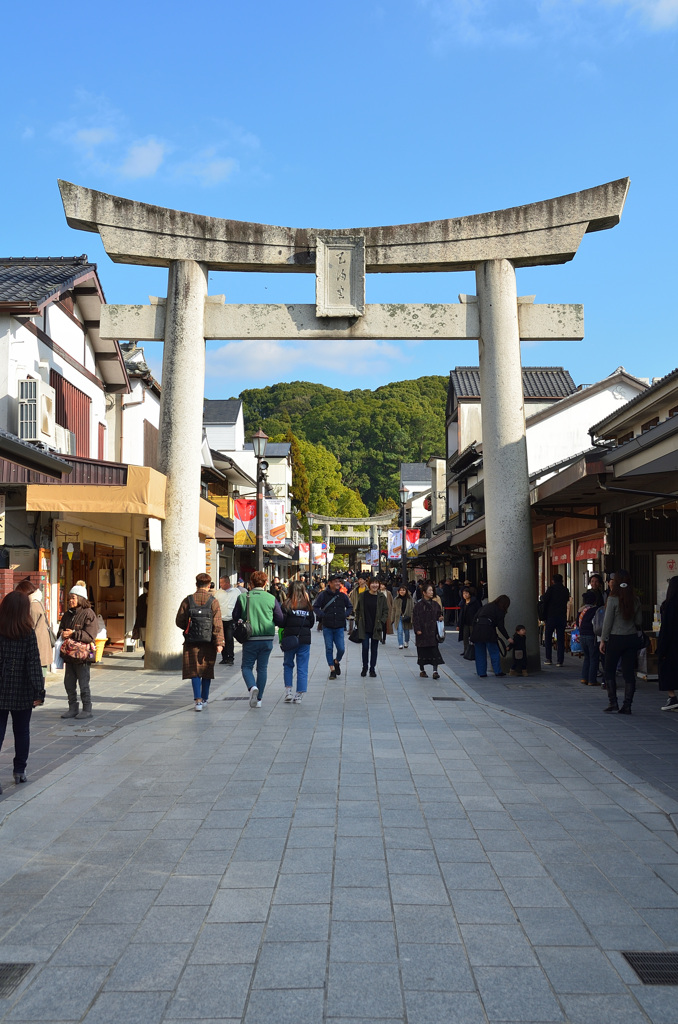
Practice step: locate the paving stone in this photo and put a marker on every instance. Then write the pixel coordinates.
(240, 905)
(426, 924)
(285, 1006)
(59, 993)
(593, 1009)
(291, 923)
(494, 945)
(434, 968)
(228, 944)
(353, 904)
(282, 967)
(206, 993)
(451, 1007)
(130, 1007)
(149, 967)
(91, 945)
(516, 994)
(170, 924)
(363, 990)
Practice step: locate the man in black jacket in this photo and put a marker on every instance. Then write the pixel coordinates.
(332, 608)
(555, 616)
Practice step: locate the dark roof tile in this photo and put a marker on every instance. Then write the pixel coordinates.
(221, 410)
(37, 279)
(542, 382)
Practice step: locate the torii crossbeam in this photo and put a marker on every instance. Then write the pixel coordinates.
(492, 244)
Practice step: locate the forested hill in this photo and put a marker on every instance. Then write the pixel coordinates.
(370, 432)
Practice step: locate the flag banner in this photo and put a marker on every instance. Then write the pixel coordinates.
(395, 545)
(374, 558)
(319, 553)
(412, 543)
(304, 551)
(245, 522)
(274, 521)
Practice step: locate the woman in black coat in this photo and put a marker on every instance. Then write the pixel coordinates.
(470, 606)
(488, 622)
(299, 619)
(425, 617)
(667, 646)
(22, 686)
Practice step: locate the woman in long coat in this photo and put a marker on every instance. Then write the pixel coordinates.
(39, 617)
(200, 656)
(425, 617)
(22, 686)
(667, 647)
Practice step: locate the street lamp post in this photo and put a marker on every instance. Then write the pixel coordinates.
(404, 493)
(259, 444)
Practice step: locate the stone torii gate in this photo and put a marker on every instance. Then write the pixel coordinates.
(491, 244)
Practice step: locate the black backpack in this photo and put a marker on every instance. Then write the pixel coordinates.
(199, 628)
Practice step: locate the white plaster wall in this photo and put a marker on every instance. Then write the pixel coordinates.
(565, 432)
(222, 437)
(452, 439)
(21, 354)
(141, 405)
(470, 424)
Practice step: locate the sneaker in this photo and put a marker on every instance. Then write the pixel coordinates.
(498, 674)
(548, 662)
(671, 704)
(254, 693)
(373, 674)
(288, 694)
(205, 700)
(19, 777)
(400, 647)
(337, 667)
(297, 698)
(333, 674)
(406, 646)
(258, 704)
(198, 705)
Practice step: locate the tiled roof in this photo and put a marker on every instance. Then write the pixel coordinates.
(538, 382)
(37, 279)
(642, 397)
(415, 471)
(276, 449)
(221, 411)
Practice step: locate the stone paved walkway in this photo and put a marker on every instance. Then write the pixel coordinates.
(373, 854)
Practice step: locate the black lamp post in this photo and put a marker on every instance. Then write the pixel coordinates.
(259, 444)
(404, 494)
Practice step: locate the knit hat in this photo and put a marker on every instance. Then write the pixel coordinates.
(79, 592)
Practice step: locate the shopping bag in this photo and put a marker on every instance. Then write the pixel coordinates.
(58, 660)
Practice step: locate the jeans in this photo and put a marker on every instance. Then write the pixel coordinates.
(626, 649)
(402, 633)
(371, 647)
(77, 672)
(334, 638)
(482, 650)
(302, 653)
(256, 652)
(589, 670)
(227, 654)
(201, 688)
(559, 626)
(21, 722)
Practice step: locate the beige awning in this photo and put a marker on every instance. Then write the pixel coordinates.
(143, 494)
(208, 519)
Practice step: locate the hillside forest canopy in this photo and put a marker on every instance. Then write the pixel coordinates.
(350, 443)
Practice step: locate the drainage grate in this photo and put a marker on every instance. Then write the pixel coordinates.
(448, 698)
(11, 976)
(654, 968)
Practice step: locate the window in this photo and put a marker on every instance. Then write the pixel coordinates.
(101, 453)
(649, 425)
(72, 411)
(625, 437)
(674, 411)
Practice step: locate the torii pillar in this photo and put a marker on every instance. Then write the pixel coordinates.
(493, 245)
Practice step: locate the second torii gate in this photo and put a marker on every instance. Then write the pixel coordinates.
(491, 244)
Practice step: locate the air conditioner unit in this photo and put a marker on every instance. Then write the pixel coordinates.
(64, 440)
(36, 411)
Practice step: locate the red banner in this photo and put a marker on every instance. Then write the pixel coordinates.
(587, 549)
(560, 555)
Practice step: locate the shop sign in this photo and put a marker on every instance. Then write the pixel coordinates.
(244, 522)
(667, 566)
(561, 555)
(589, 549)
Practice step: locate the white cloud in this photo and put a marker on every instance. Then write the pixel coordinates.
(258, 360)
(658, 14)
(143, 159)
(207, 167)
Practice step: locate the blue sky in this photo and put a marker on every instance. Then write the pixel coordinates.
(357, 113)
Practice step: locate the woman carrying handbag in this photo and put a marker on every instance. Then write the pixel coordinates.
(425, 618)
(78, 630)
(296, 640)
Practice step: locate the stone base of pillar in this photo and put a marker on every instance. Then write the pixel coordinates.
(155, 661)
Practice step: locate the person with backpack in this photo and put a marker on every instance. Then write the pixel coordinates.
(296, 640)
(588, 639)
(332, 608)
(199, 618)
(263, 612)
